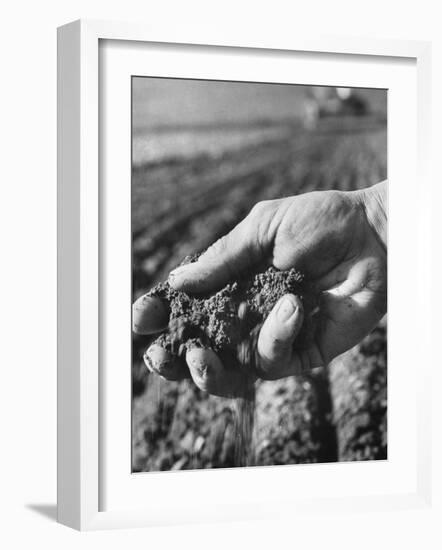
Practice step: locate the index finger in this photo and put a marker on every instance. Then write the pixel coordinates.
(225, 260)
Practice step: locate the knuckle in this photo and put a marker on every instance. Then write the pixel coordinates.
(261, 207)
(264, 221)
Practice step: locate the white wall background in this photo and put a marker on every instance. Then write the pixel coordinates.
(28, 266)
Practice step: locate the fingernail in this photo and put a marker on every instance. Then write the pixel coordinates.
(150, 314)
(157, 359)
(178, 271)
(286, 309)
(148, 361)
(203, 362)
(201, 368)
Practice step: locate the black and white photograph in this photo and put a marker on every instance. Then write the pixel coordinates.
(221, 265)
(259, 273)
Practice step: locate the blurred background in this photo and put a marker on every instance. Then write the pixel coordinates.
(203, 153)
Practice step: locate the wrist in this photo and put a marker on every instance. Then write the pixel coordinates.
(374, 202)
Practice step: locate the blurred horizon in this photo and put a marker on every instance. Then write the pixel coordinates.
(175, 118)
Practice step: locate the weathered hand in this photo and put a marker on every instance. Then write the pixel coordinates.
(337, 239)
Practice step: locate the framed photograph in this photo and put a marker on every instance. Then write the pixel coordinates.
(235, 221)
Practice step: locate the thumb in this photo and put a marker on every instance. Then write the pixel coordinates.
(228, 258)
(275, 342)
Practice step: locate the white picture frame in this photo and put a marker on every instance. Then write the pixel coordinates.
(79, 274)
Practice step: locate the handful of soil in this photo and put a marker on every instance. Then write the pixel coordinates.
(229, 320)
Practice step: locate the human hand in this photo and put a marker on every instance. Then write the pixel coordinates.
(337, 239)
